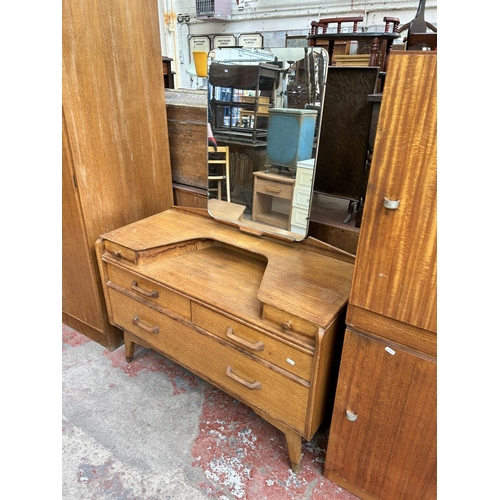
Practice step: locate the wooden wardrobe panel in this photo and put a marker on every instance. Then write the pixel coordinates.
(390, 450)
(113, 91)
(80, 295)
(397, 274)
(116, 159)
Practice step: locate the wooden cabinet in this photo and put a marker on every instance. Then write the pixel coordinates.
(261, 319)
(116, 166)
(382, 442)
(272, 198)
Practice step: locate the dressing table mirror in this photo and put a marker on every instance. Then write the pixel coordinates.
(264, 109)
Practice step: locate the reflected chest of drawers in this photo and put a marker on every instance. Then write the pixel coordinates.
(260, 319)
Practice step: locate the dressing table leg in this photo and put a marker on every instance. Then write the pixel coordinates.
(129, 348)
(294, 442)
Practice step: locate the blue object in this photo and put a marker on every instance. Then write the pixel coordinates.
(290, 136)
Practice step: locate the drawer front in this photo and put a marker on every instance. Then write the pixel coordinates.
(303, 178)
(302, 198)
(288, 322)
(239, 375)
(119, 251)
(299, 217)
(274, 189)
(254, 342)
(149, 290)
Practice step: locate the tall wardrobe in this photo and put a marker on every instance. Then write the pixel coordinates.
(115, 150)
(383, 437)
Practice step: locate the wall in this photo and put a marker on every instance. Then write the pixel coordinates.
(274, 19)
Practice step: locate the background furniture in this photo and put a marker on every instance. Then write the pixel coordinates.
(272, 198)
(302, 194)
(111, 173)
(382, 441)
(187, 131)
(373, 39)
(259, 318)
(341, 167)
(217, 159)
(226, 102)
(168, 74)
(418, 36)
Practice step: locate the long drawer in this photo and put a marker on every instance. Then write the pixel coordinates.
(254, 342)
(150, 290)
(214, 360)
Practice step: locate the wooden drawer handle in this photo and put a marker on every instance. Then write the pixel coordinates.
(150, 329)
(147, 293)
(287, 326)
(251, 385)
(272, 189)
(256, 346)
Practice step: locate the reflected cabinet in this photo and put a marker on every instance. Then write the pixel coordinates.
(382, 442)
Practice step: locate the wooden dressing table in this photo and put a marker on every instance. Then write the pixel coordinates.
(260, 318)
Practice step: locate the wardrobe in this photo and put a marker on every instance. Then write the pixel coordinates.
(382, 441)
(115, 150)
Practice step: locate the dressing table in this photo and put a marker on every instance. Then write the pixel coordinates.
(249, 306)
(259, 317)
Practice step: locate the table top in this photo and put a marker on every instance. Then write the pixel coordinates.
(362, 35)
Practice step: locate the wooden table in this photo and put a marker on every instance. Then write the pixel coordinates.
(373, 38)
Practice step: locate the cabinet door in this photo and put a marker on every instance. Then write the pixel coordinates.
(395, 272)
(388, 448)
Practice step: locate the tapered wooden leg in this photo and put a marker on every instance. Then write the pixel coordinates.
(294, 442)
(129, 348)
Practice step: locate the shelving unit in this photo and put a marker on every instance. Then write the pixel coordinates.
(228, 98)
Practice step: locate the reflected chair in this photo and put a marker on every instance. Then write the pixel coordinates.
(218, 171)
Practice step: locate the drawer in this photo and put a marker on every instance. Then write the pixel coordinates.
(302, 198)
(120, 252)
(272, 188)
(149, 290)
(234, 372)
(254, 342)
(303, 178)
(288, 322)
(299, 217)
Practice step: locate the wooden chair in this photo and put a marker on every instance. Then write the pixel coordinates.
(216, 159)
(418, 36)
(323, 24)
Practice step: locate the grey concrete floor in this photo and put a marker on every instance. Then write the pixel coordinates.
(151, 430)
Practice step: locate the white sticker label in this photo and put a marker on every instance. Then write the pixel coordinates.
(291, 361)
(390, 351)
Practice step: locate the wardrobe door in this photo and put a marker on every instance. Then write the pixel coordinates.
(395, 273)
(382, 441)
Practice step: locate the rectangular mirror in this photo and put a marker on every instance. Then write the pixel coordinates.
(264, 110)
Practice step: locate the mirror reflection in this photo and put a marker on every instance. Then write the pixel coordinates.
(264, 115)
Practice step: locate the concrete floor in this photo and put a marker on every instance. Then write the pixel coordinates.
(150, 430)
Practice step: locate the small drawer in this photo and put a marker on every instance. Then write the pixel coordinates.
(274, 188)
(220, 364)
(299, 217)
(288, 322)
(149, 290)
(254, 342)
(301, 198)
(303, 178)
(120, 252)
